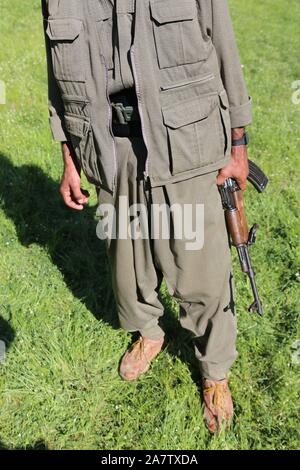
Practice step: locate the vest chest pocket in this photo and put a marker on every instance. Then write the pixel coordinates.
(106, 33)
(177, 33)
(67, 48)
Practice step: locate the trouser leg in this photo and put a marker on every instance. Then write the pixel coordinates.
(201, 279)
(135, 279)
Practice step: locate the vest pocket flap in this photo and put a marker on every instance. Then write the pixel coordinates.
(76, 125)
(190, 111)
(64, 29)
(167, 11)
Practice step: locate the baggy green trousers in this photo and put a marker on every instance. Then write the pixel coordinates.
(201, 280)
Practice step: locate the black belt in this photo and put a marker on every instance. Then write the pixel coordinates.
(132, 129)
(127, 97)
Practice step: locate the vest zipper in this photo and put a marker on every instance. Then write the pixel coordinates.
(110, 122)
(139, 99)
(205, 79)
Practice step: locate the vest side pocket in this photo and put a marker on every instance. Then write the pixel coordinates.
(82, 139)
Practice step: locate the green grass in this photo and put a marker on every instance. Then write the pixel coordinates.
(59, 385)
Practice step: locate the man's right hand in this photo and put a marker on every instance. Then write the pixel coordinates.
(70, 190)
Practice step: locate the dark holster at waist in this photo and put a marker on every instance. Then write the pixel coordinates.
(125, 114)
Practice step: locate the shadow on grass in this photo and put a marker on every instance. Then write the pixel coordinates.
(32, 201)
(7, 335)
(180, 343)
(39, 445)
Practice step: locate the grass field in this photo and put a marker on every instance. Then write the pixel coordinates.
(59, 384)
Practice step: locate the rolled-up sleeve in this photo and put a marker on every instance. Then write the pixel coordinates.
(223, 38)
(55, 104)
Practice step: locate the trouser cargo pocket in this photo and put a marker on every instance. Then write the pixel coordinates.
(81, 137)
(198, 132)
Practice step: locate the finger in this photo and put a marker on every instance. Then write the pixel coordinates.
(220, 180)
(85, 192)
(66, 196)
(242, 183)
(69, 203)
(74, 205)
(86, 196)
(222, 177)
(77, 195)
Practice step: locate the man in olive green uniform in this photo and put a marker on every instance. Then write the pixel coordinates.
(148, 99)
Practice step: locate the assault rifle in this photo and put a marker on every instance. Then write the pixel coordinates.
(240, 236)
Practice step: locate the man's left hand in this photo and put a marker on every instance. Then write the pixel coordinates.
(238, 167)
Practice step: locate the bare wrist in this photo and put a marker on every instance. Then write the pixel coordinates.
(69, 157)
(66, 153)
(237, 133)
